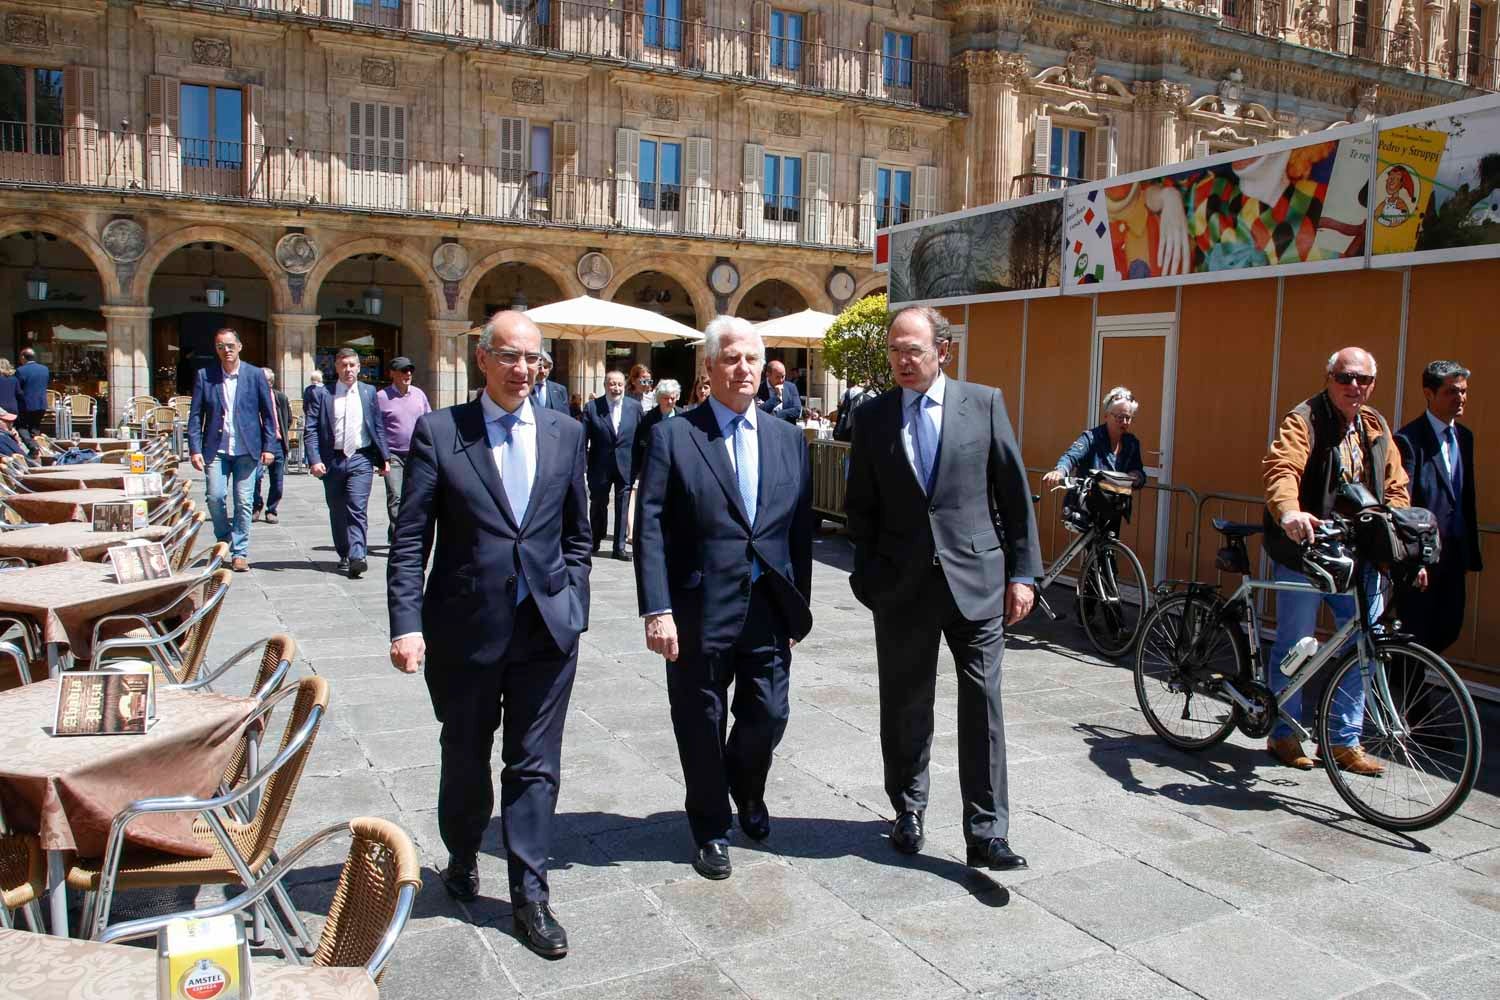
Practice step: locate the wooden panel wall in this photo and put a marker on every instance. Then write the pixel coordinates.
(995, 350)
(1325, 312)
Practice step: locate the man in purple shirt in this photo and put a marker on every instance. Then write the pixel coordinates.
(400, 404)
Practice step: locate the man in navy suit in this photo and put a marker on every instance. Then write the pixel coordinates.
(32, 379)
(345, 442)
(778, 396)
(723, 574)
(233, 422)
(609, 423)
(1438, 453)
(499, 483)
(547, 394)
(313, 387)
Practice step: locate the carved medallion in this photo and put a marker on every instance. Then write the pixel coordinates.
(124, 240)
(788, 123)
(378, 72)
(1079, 66)
(595, 270)
(296, 253)
(528, 90)
(450, 261)
(26, 29)
(665, 106)
(211, 51)
(898, 137)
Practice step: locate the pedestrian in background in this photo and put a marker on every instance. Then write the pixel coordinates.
(609, 424)
(698, 395)
(638, 385)
(32, 378)
(401, 405)
(277, 469)
(547, 394)
(345, 445)
(667, 393)
(314, 385)
(10, 387)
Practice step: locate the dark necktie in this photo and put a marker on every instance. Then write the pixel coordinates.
(1455, 464)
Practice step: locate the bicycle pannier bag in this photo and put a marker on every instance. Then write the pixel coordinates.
(1402, 538)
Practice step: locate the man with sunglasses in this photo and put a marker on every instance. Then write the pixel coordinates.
(1326, 441)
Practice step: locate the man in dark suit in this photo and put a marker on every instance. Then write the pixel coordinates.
(1438, 454)
(345, 442)
(232, 420)
(609, 424)
(499, 483)
(309, 391)
(932, 461)
(667, 393)
(779, 397)
(723, 575)
(276, 471)
(32, 379)
(547, 394)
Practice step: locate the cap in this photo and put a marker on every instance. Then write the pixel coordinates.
(402, 364)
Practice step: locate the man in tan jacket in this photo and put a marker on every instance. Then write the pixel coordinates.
(1330, 439)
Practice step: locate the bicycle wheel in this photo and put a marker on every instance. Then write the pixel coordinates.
(1424, 731)
(1113, 596)
(1183, 649)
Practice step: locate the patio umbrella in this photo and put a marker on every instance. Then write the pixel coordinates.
(588, 318)
(800, 329)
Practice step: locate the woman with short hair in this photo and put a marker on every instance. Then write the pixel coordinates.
(1108, 446)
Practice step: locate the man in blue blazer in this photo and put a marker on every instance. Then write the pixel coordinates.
(32, 379)
(232, 422)
(1438, 453)
(498, 483)
(609, 424)
(723, 575)
(345, 442)
(547, 394)
(778, 396)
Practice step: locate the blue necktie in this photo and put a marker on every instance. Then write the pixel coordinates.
(540, 393)
(921, 442)
(1455, 466)
(513, 478)
(742, 477)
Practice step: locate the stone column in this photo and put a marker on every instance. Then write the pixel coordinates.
(995, 132)
(448, 382)
(1161, 102)
(293, 350)
(128, 332)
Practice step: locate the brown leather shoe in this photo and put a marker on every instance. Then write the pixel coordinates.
(241, 564)
(1356, 761)
(1288, 750)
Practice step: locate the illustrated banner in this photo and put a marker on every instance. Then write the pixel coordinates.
(1004, 252)
(1439, 184)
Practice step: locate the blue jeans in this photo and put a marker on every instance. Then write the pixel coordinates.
(236, 530)
(1297, 616)
(277, 473)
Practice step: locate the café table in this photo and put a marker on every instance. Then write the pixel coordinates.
(42, 967)
(58, 506)
(76, 477)
(71, 541)
(105, 443)
(67, 789)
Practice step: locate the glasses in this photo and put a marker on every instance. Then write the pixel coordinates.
(512, 358)
(909, 353)
(1349, 378)
(226, 347)
(1123, 418)
(646, 381)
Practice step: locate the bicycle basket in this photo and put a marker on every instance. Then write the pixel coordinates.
(1404, 538)
(1075, 516)
(1109, 496)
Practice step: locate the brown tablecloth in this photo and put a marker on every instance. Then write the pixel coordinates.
(43, 967)
(57, 506)
(68, 789)
(104, 444)
(70, 542)
(66, 598)
(77, 477)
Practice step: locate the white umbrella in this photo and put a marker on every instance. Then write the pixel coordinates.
(588, 318)
(800, 329)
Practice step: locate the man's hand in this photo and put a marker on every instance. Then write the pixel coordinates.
(384, 469)
(318, 470)
(1019, 597)
(267, 457)
(408, 652)
(198, 462)
(1299, 525)
(661, 635)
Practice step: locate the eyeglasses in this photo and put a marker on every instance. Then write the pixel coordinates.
(1348, 378)
(909, 353)
(645, 381)
(512, 358)
(226, 347)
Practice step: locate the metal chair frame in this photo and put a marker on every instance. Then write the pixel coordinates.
(36, 879)
(165, 651)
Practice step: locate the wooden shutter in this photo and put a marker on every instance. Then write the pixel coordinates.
(698, 165)
(414, 14)
(257, 154)
(564, 201)
(163, 140)
(81, 124)
(812, 49)
(760, 40)
(753, 206)
(921, 69)
(924, 192)
(694, 34)
(340, 10)
(512, 163)
(874, 59)
(1106, 163)
(1041, 153)
(631, 28)
(817, 181)
(627, 176)
(867, 201)
(1200, 149)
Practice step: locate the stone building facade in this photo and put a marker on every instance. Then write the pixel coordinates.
(382, 173)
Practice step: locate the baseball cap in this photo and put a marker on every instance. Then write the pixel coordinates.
(402, 364)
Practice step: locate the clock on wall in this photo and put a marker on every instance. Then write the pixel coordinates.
(724, 278)
(840, 286)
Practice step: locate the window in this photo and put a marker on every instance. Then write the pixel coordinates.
(786, 39)
(31, 110)
(661, 175)
(386, 13)
(1361, 24)
(899, 49)
(213, 127)
(783, 188)
(892, 197)
(1479, 74)
(663, 24)
(541, 159)
(1068, 147)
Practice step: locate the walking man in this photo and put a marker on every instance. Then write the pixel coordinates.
(32, 379)
(933, 466)
(609, 423)
(345, 448)
(498, 484)
(232, 420)
(547, 394)
(313, 387)
(277, 469)
(401, 405)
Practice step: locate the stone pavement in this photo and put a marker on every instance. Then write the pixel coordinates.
(1153, 873)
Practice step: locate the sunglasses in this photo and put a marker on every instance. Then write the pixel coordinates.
(1349, 378)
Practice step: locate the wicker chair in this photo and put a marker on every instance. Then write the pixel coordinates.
(175, 638)
(85, 409)
(179, 542)
(23, 877)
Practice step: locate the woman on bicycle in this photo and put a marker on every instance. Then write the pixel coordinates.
(1108, 446)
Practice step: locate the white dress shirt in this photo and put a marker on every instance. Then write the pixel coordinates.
(523, 434)
(935, 393)
(614, 411)
(229, 444)
(350, 433)
(1450, 454)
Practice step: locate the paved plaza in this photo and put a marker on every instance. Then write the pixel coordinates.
(1153, 873)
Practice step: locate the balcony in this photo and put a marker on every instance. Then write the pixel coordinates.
(722, 47)
(151, 165)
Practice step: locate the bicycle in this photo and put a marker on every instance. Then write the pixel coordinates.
(1198, 677)
(1113, 596)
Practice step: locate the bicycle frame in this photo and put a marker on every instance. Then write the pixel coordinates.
(1080, 543)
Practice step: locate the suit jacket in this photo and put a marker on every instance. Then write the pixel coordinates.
(791, 402)
(10, 394)
(643, 437)
(1092, 451)
(283, 416)
(308, 392)
(693, 541)
(319, 440)
(610, 454)
(32, 379)
(897, 529)
(1431, 487)
(554, 398)
(454, 508)
(254, 425)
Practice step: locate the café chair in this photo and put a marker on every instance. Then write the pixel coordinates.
(179, 541)
(23, 878)
(84, 410)
(174, 637)
(241, 849)
(11, 519)
(209, 560)
(372, 902)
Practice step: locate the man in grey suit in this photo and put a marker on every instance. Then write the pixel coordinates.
(547, 394)
(939, 509)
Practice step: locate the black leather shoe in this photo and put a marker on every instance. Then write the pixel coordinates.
(461, 879)
(536, 925)
(357, 568)
(713, 861)
(996, 855)
(755, 819)
(622, 556)
(906, 833)
(343, 565)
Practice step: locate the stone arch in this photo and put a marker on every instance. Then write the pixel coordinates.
(877, 282)
(565, 278)
(421, 269)
(72, 231)
(815, 297)
(167, 244)
(694, 284)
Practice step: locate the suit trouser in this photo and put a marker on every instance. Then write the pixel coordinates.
(394, 478)
(346, 487)
(529, 689)
(717, 768)
(1435, 616)
(599, 512)
(28, 423)
(276, 473)
(906, 650)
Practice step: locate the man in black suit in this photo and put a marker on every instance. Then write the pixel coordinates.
(932, 464)
(609, 424)
(499, 484)
(1438, 454)
(779, 397)
(276, 471)
(668, 390)
(723, 573)
(313, 387)
(346, 448)
(547, 394)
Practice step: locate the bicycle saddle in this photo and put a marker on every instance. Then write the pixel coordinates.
(1233, 529)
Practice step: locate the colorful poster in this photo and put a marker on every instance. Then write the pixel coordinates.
(1090, 250)
(1452, 164)
(1014, 248)
(1409, 158)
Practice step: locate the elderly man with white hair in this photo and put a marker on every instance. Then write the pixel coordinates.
(668, 391)
(723, 574)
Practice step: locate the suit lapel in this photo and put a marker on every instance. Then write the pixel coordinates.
(1435, 447)
(950, 438)
(547, 436)
(474, 442)
(711, 443)
(770, 470)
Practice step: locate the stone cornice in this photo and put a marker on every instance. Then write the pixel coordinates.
(181, 20)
